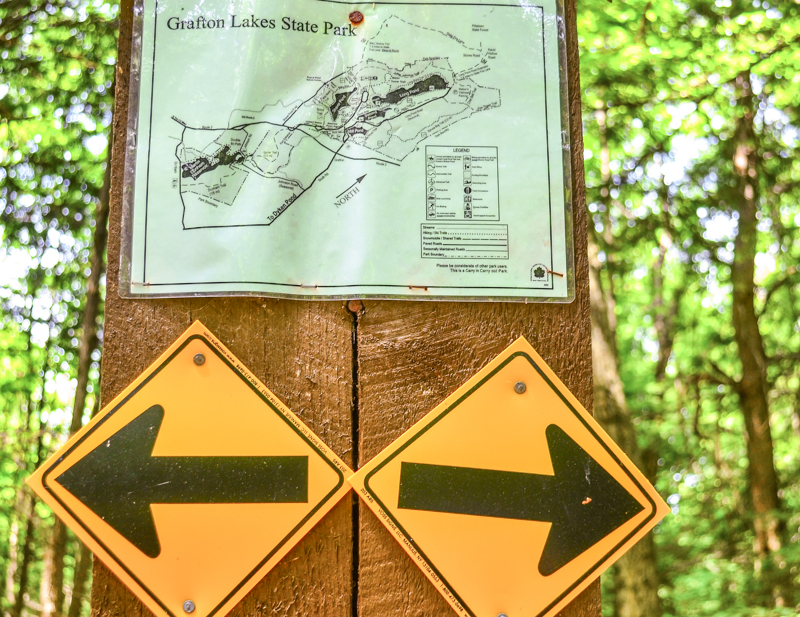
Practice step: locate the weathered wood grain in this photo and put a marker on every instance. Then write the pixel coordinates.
(412, 355)
(301, 350)
(410, 358)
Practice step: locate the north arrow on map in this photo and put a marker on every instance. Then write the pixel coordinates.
(358, 181)
(582, 500)
(121, 478)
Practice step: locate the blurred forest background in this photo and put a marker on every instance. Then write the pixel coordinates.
(692, 152)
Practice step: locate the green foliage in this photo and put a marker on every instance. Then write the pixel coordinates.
(660, 111)
(57, 64)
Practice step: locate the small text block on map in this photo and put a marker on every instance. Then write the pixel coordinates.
(464, 241)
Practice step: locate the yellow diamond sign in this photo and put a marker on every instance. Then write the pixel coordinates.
(509, 496)
(194, 482)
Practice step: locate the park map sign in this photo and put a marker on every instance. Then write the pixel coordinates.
(324, 149)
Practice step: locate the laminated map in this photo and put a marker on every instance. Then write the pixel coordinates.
(317, 148)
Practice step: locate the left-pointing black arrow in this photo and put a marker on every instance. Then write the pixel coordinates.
(120, 478)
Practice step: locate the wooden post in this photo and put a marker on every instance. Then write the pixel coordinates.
(302, 350)
(412, 355)
(408, 356)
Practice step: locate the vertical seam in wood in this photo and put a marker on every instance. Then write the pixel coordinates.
(354, 439)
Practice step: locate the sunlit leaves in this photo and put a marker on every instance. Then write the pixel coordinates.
(57, 71)
(660, 108)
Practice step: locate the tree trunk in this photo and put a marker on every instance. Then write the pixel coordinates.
(91, 310)
(663, 315)
(21, 509)
(24, 566)
(753, 387)
(51, 594)
(30, 465)
(635, 574)
(82, 568)
(636, 577)
(13, 543)
(52, 589)
(27, 546)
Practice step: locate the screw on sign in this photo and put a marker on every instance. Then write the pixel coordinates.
(356, 17)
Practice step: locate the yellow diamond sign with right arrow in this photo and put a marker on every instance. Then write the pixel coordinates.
(509, 495)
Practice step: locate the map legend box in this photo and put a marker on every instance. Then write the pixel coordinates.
(464, 241)
(461, 183)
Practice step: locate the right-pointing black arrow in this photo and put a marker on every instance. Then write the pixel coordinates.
(582, 500)
(120, 478)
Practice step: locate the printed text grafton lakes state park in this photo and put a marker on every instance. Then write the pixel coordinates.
(263, 23)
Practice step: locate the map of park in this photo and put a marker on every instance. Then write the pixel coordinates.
(379, 109)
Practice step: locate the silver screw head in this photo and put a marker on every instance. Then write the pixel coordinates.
(503, 614)
(199, 360)
(519, 388)
(188, 606)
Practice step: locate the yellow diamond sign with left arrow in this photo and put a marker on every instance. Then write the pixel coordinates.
(194, 482)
